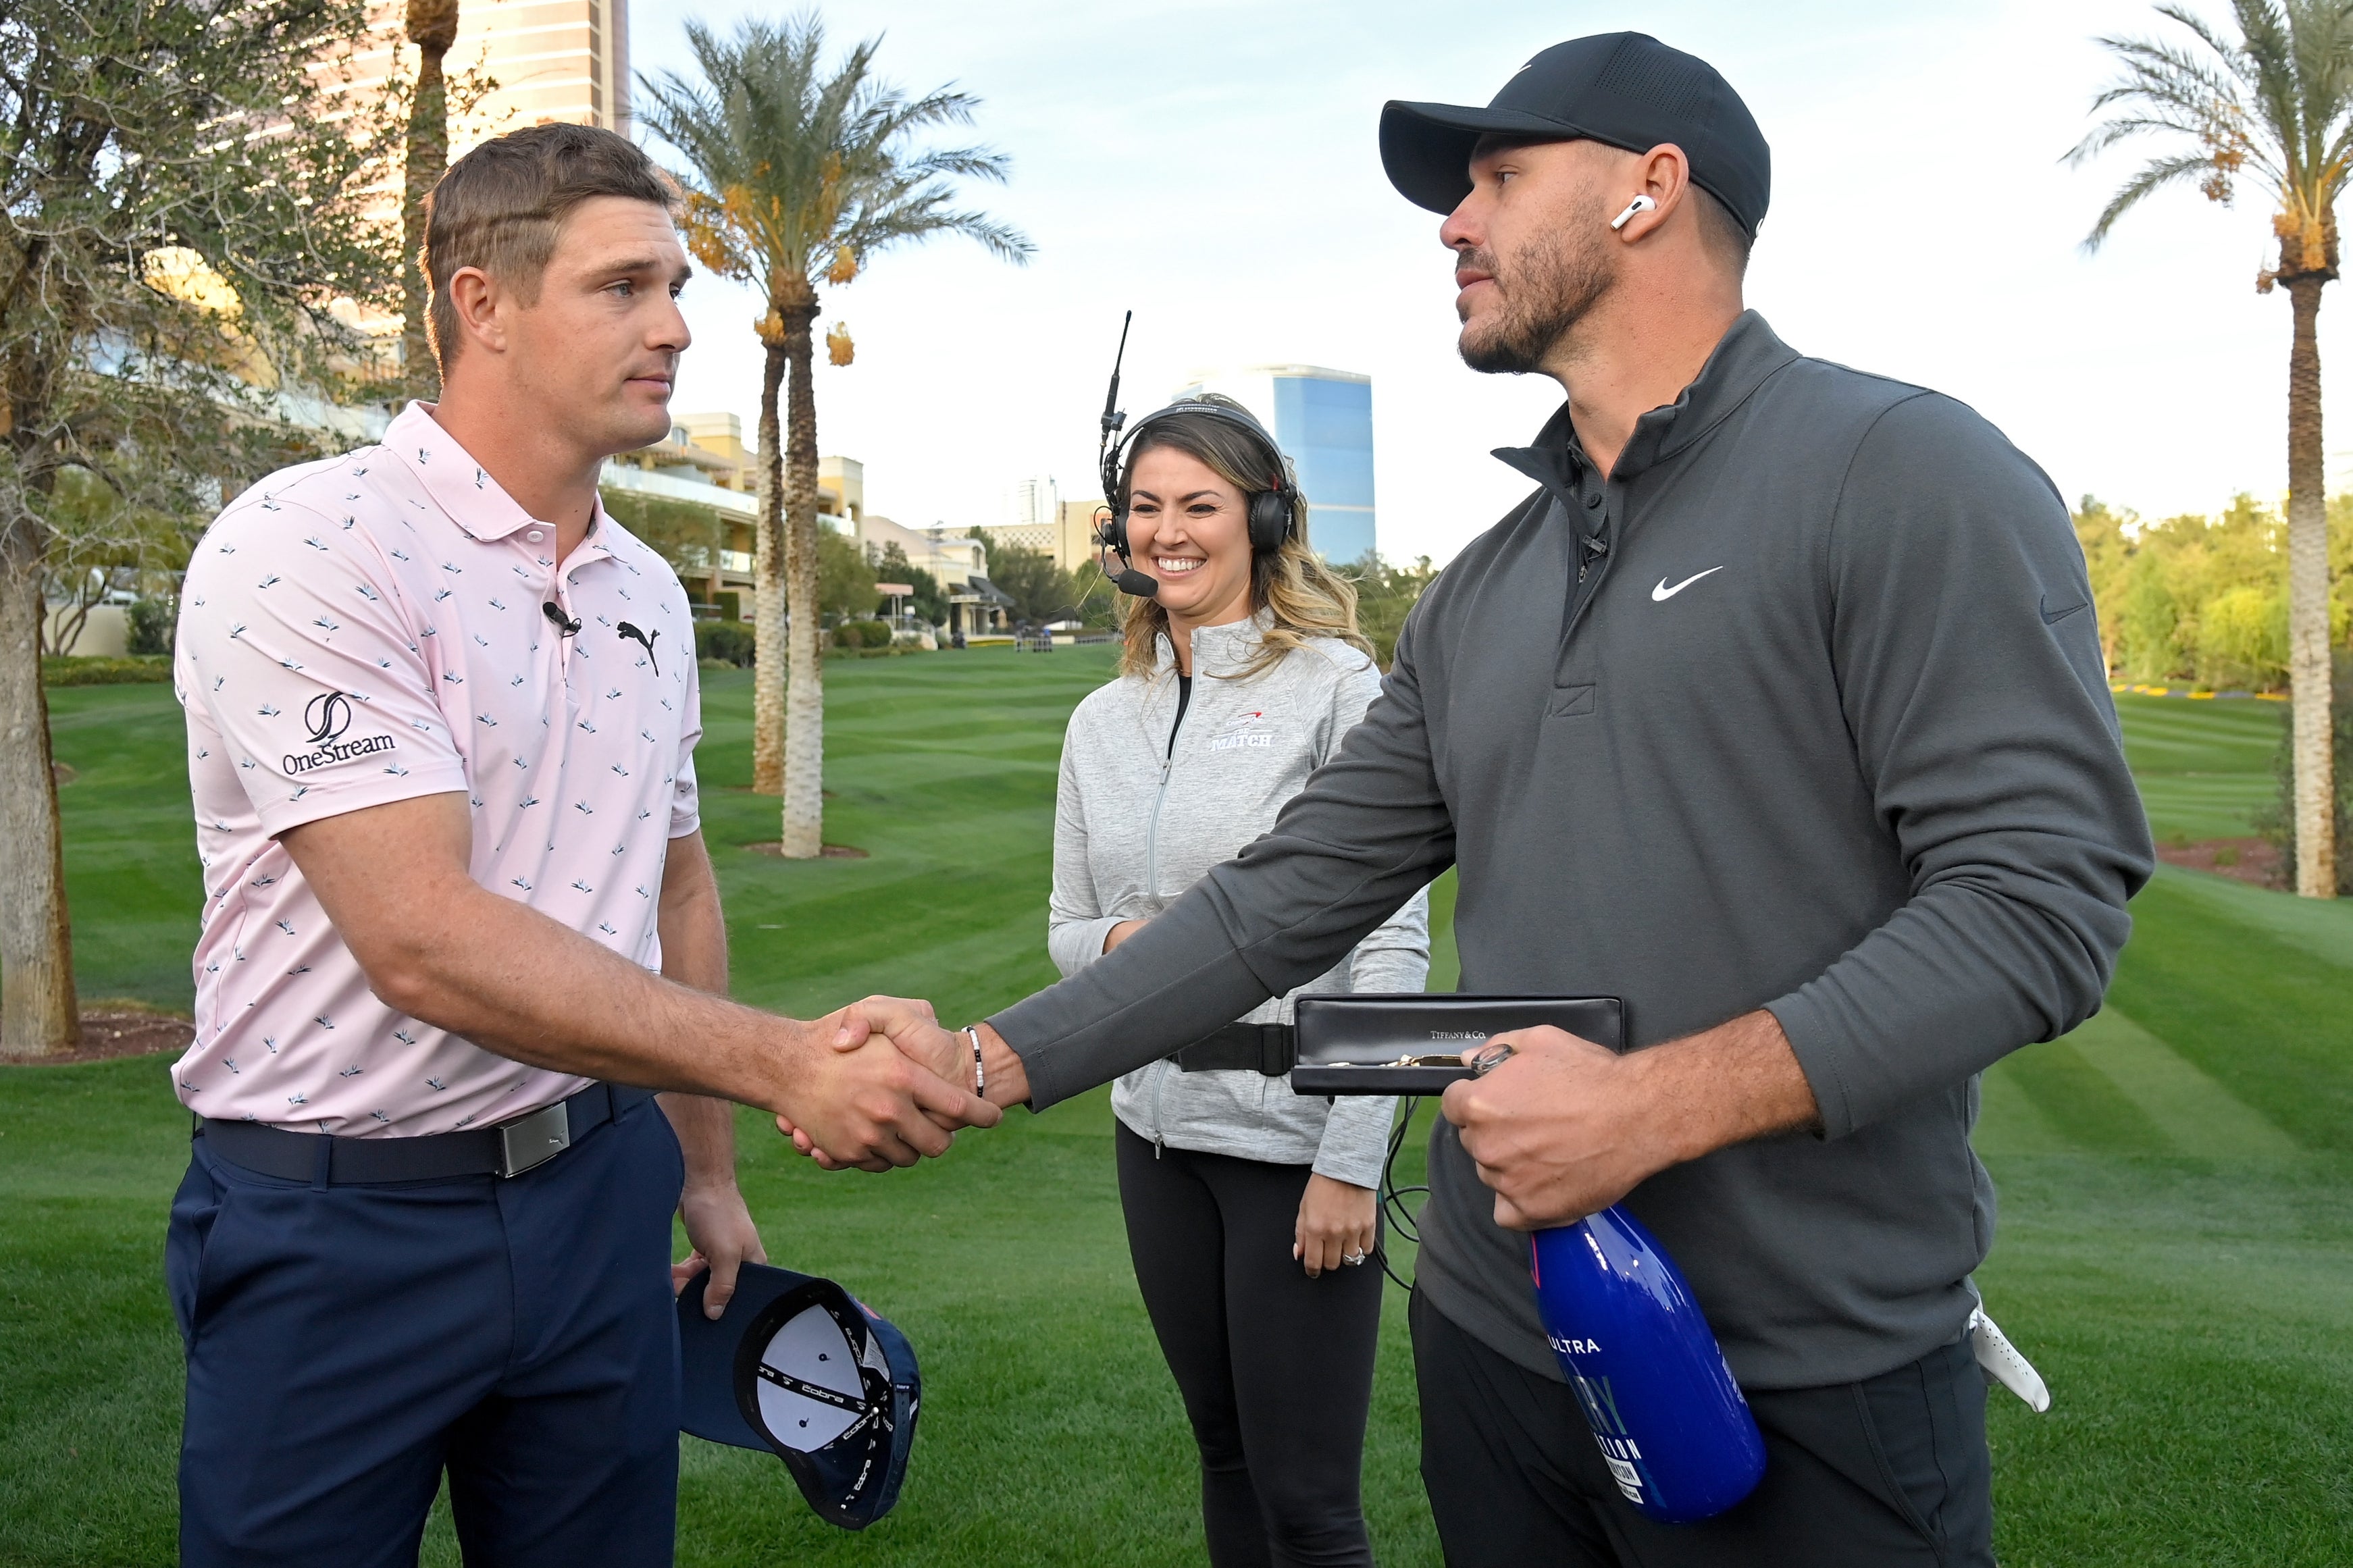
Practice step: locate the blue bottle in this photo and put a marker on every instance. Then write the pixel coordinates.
(1672, 1424)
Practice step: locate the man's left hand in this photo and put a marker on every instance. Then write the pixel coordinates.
(1555, 1130)
(720, 1229)
(1566, 1127)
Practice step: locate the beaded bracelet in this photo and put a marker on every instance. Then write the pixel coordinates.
(979, 1073)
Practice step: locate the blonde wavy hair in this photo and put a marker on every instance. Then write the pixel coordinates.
(1304, 597)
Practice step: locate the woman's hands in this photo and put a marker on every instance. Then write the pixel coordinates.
(1119, 934)
(1336, 1225)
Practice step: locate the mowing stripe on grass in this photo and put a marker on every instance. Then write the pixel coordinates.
(2204, 769)
(2268, 1021)
(2197, 1114)
(2323, 928)
(2077, 1102)
(2008, 1121)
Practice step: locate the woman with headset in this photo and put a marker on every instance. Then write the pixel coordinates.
(1250, 1210)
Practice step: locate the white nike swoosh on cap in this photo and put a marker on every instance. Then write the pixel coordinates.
(1661, 593)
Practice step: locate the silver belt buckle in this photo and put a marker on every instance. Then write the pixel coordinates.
(534, 1140)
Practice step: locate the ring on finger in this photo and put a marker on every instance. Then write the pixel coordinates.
(1352, 1258)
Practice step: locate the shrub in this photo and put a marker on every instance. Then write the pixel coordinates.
(861, 634)
(71, 672)
(1385, 594)
(731, 642)
(153, 624)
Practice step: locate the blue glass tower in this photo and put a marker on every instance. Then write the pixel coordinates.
(1323, 419)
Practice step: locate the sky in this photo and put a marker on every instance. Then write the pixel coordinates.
(1213, 167)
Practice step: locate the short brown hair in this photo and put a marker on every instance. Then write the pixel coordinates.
(501, 206)
(1720, 233)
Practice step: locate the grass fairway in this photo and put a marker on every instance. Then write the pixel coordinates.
(2205, 765)
(2174, 1250)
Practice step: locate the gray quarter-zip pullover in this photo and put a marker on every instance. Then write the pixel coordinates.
(1823, 728)
(1149, 803)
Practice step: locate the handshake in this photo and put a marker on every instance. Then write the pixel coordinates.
(882, 1084)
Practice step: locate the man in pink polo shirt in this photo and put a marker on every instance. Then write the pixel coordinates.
(441, 720)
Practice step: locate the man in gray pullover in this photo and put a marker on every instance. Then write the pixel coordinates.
(1777, 710)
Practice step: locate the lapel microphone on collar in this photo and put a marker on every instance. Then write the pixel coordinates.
(564, 626)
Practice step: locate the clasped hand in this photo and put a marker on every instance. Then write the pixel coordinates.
(877, 1090)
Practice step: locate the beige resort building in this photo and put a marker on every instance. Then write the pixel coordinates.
(706, 463)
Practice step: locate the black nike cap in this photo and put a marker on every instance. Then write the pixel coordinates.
(1627, 90)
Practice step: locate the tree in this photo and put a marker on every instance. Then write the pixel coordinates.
(433, 28)
(102, 547)
(1041, 590)
(2107, 553)
(1385, 593)
(927, 601)
(845, 581)
(181, 232)
(687, 534)
(796, 178)
(2274, 108)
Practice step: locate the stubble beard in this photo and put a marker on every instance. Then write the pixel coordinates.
(1545, 289)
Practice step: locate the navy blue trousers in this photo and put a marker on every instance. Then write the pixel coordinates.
(346, 1344)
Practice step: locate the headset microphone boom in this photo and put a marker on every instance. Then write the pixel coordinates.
(1112, 535)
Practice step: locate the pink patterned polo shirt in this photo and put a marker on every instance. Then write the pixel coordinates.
(387, 625)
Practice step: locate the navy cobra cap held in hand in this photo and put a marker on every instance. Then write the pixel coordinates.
(1627, 90)
(799, 1367)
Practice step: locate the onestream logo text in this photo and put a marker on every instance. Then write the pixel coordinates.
(328, 715)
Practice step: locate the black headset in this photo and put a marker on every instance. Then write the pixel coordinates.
(1273, 512)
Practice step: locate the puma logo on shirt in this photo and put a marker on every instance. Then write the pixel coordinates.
(631, 634)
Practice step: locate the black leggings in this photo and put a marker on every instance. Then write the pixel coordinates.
(1276, 1369)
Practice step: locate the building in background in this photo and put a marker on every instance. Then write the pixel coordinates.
(841, 494)
(1074, 539)
(958, 563)
(551, 59)
(1039, 536)
(954, 557)
(1066, 533)
(1323, 419)
(722, 433)
(706, 464)
(1037, 518)
(1032, 503)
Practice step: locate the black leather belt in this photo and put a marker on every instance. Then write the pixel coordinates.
(1268, 1049)
(507, 1149)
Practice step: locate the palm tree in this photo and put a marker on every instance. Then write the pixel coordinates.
(796, 178)
(2274, 108)
(432, 26)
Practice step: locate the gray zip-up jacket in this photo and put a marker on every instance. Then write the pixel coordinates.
(1802, 707)
(1144, 813)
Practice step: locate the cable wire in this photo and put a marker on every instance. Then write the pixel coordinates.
(1395, 1215)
